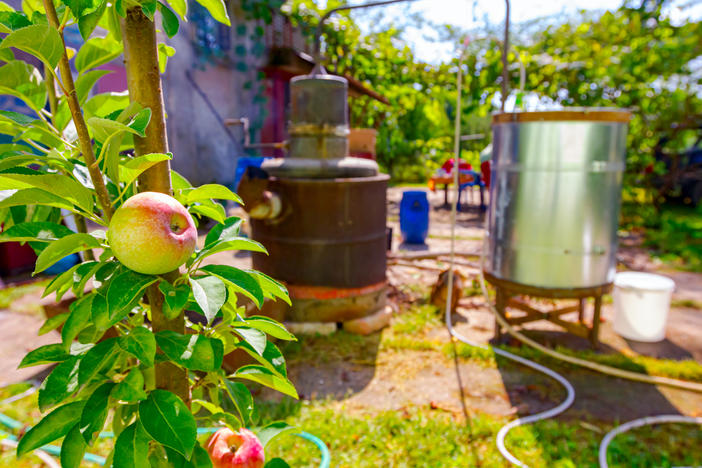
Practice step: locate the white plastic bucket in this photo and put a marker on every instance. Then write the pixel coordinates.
(641, 305)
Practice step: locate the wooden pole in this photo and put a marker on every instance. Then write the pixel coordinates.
(144, 84)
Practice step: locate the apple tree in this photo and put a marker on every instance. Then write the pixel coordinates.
(128, 350)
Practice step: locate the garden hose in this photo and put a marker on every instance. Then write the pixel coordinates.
(45, 452)
(668, 418)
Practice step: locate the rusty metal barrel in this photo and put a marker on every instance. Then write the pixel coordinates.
(326, 237)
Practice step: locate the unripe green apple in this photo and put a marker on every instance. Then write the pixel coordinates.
(152, 233)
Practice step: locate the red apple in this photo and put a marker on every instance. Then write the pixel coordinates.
(152, 233)
(228, 449)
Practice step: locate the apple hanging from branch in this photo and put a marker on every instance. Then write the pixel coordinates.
(229, 449)
(152, 233)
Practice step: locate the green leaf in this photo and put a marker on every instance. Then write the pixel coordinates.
(17, 118)
(195, 352)
(211, 210)
(241, 397)
(87, 23)
(179, 182)
(113, 22)
(255, 338)
(199, 459)
(168, 421)
(210, 294)
(104, 104)
(271, 431)
(141, 344)
(23, 81)
(53, 323)
(132, 448)
(96, 52)
(149, 8)
(62, 283)
(60, 384)
(86, 81)
(164, 51)
(99, 357)
(73, 448)
(56, 184)
(131, 389)
(59, 249)
(46, 354)
(239, 243)
(169, 20)
(277, 463)
(12, 20)
(217, 9)
(209, 191)
(174, 298)
(94, 414)
(240, 280)
(267, 378)
(125, 289)
(271, 357)
(41, 41)
(139, 120)
(55, 425)
(228, 230)
(6, 55)
(104, 128)
(35, 231)
(82, 275)
(26, 197)
(180, 7)
(133, 168)
(271, 288)
(77, 320)
(267, 325)
(82, 7)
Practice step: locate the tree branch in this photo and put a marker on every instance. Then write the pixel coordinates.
(86, 147)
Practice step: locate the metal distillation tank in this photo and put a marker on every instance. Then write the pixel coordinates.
(320, 213)
(555, 197)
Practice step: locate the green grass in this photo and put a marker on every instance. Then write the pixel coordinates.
(422, 437)
(12, 293)
(673, 234)
(26, 412)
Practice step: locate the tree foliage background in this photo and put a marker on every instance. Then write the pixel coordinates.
(634, 57)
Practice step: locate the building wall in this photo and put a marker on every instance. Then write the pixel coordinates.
(229, 77)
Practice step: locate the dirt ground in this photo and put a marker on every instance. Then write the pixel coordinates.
(383, 378)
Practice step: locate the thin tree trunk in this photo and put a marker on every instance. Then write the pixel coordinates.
(144, 83)
(53, 106)
(84, 139)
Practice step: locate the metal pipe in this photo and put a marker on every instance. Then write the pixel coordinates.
(320, 25)
(244, 122)
(475, 136)
(505, 51)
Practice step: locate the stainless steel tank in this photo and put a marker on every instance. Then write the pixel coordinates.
(555, 196)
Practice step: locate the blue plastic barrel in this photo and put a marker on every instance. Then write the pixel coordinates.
(414, 216)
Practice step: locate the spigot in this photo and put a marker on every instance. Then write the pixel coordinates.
(259, 202)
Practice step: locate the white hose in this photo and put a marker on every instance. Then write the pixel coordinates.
(668, 418)
(43, 456)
